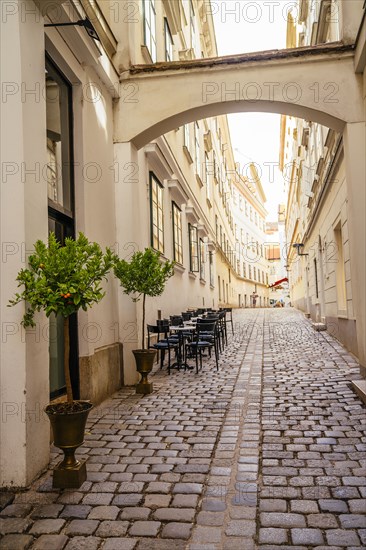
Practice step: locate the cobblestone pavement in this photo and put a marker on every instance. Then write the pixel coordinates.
(268, 453)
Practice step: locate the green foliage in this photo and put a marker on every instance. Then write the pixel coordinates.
(144, 274)
(63, 279)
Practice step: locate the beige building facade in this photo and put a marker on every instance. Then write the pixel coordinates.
(324, 232)
(66, 170)
(126, 139)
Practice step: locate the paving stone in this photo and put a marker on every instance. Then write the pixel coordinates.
(188, 488)
(47, 511)
(323, 521)
(157, 501)
(117, 543)
(352, 521)
(76, 511)
(16, 542)
(205, 535)
(174, 514)
(82, 527)
(112, 528)
(310, 537)
(50, 542)
(135, 513)
(304, 506)
(241, 528)
(47, 526)
(270, 535)
(83, 543)
(335, 506)
(213, 519)
(145, 528)
(13, 525)
(161, 544)
(104, 512)
(176, 531)
(16, 510)
(340, 537)
(277, 519)
(273, 505)
(185, 501)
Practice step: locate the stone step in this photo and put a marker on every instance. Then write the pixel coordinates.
(360, 388)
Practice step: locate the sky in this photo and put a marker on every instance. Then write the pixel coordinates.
(244, 26)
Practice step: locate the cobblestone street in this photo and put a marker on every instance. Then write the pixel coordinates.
(267, 453)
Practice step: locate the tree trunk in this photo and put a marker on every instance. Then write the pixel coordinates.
(143, 321)
(67, 361)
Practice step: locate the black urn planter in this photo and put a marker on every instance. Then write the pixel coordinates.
(68, 427)
(144, 363)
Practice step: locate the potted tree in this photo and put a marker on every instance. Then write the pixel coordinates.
(144, 275)
(60, 280)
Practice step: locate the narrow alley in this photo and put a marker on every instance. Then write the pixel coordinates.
(267, 453)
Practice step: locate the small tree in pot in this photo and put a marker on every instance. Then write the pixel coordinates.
(144, 275)
(60, 280)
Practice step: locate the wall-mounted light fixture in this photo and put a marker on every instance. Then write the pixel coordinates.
(298, 246)
(86, 23)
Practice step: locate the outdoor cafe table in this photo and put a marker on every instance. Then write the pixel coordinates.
(181, 362)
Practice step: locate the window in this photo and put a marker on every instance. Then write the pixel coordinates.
(256, 218)
(168, 42)
(216, 227)
(192, 25)
(197, 152)
(193, 249)
(246, 208)
(254, 273)
(244, 269)
(156, 211)
(219, 285)
(61, 212)
(187, 136)
(210, 263)
(250, 271)
(177, 234)
(316, 278)
(208, 176)
(340, 271)
(149, 15)
(251, 214)
(202, 260)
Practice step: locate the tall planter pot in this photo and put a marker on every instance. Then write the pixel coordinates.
(144, 363)
(68, 434)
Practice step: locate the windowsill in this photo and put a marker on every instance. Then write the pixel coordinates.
(179, 267)
(192, 274)
(202, 281)
(209, 202)
(342, 314)
(187, 154)
(199, 181)
(212, 287)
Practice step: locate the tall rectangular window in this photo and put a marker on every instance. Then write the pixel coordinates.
(168, 41)
(202, 260)
(187, 136)
(156, 213)
(340, 271)
(177, 234)
(61, 212)
(149, 14)
(210, 263)
(316, 278)
(192, 25)
(193, 249)
(197, 152)
(208, 170)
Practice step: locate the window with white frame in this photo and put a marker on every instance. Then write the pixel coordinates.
(193, 248)
(177, 234)
(168, 41)
(156, 213)
(187, 136)
(149, 15)
(197, 151)
(202, 260)
(208, 170)
(192, 25)
(210, 264)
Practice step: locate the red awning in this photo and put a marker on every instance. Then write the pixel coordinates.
(285, 279)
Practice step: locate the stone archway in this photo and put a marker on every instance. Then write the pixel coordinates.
(317, 83)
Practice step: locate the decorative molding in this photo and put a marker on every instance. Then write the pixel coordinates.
(177, 192)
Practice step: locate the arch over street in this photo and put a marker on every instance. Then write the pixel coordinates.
(315, 83)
